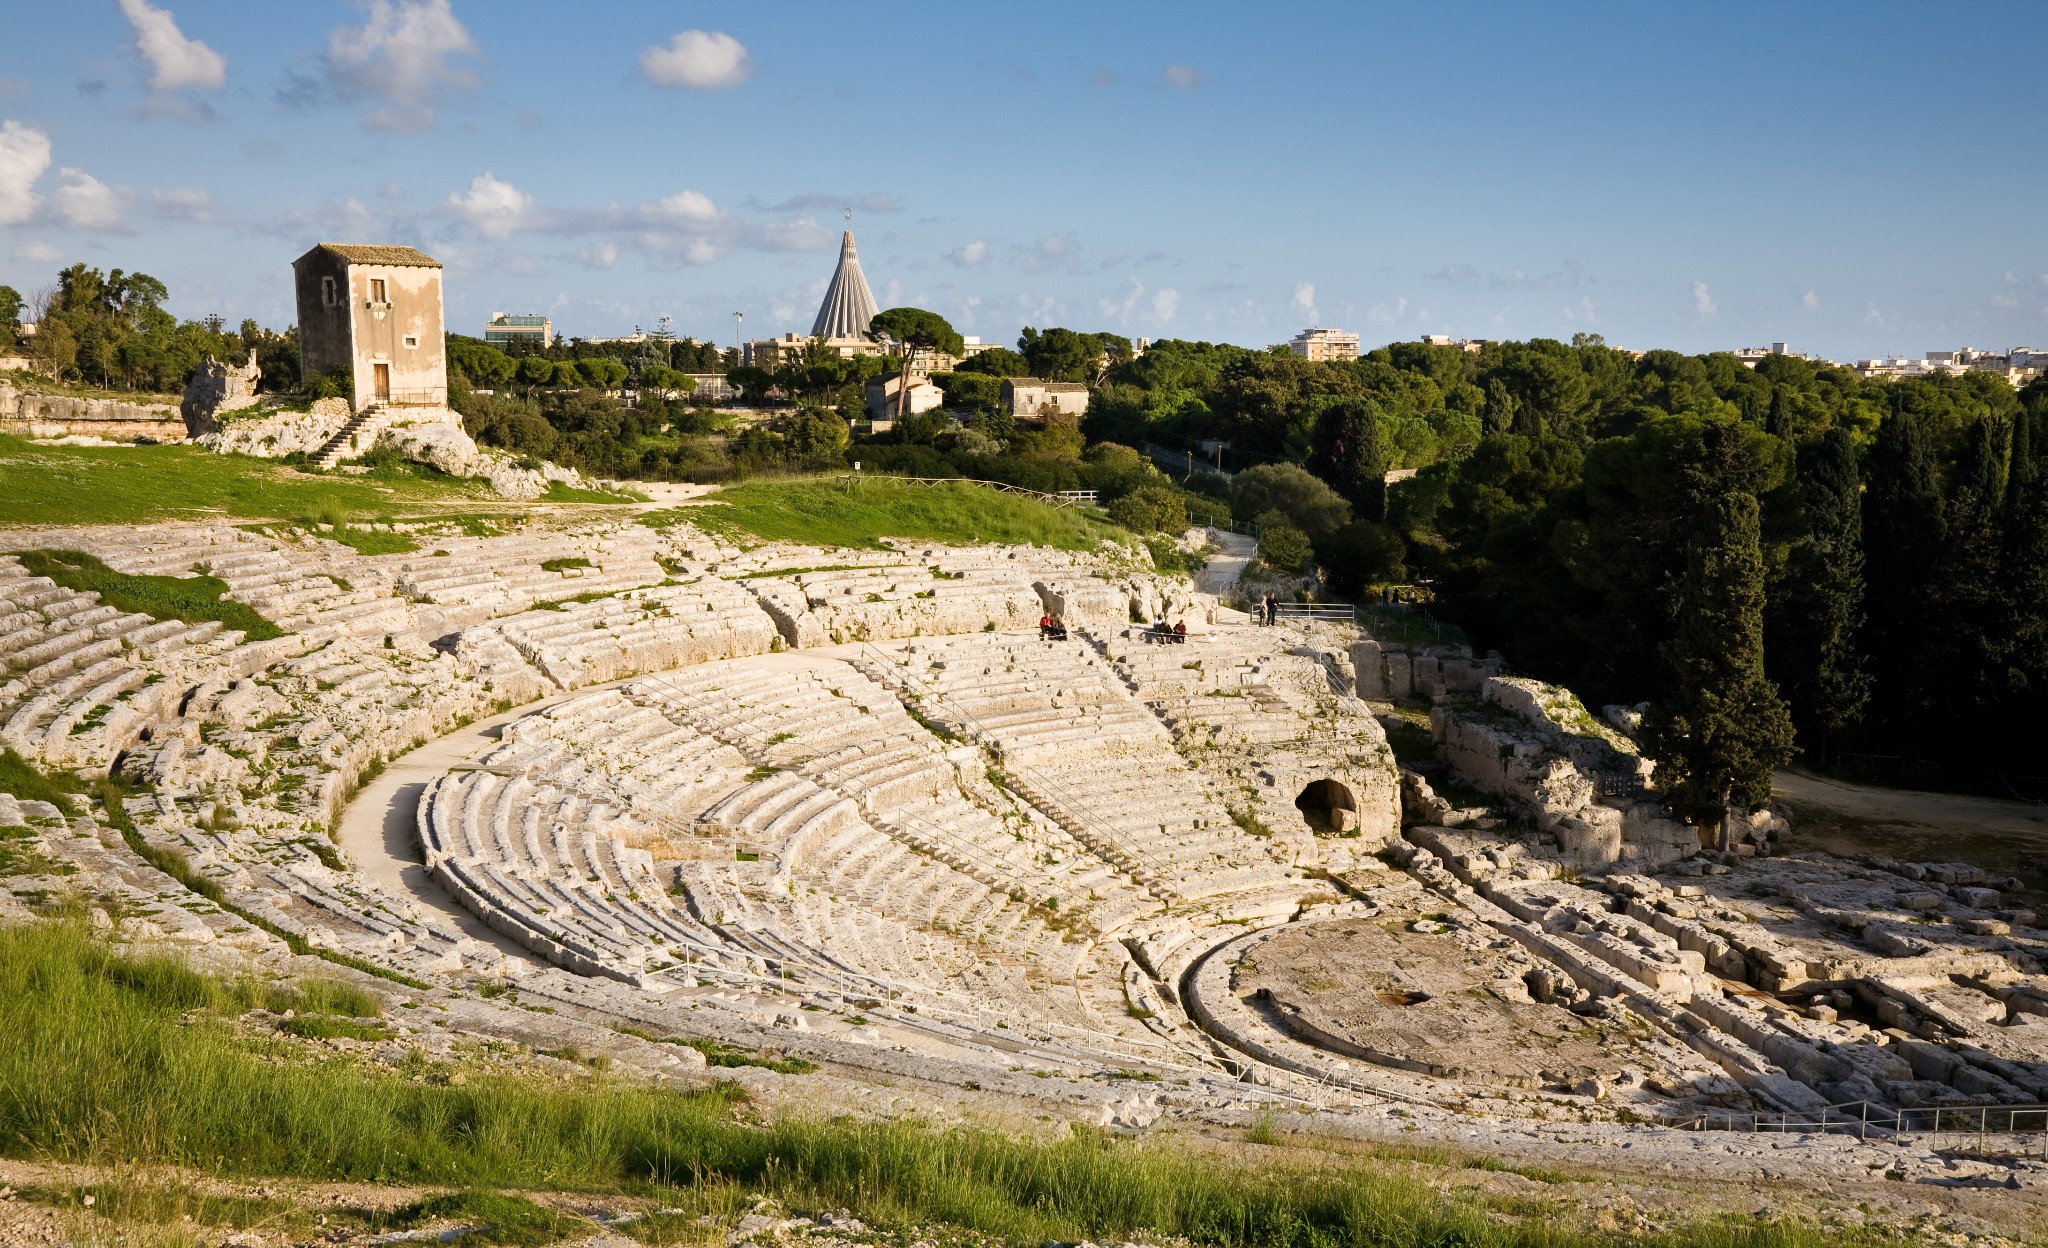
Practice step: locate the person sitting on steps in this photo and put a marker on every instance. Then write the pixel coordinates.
(1180, 632)
(1055, 628)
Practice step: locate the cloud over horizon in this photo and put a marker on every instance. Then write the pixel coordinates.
(177, 62)
(697, 60)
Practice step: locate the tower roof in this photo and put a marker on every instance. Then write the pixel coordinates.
(849, 305)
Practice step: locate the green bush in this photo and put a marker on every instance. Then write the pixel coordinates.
(1282, 546)
(1150, 509)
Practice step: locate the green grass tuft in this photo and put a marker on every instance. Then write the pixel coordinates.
(828, 512)
(192, 599)
(20, 778)
(124, 1061)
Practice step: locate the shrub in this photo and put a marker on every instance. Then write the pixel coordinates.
(1282, 546)
(1149, 509)
(1307, 503)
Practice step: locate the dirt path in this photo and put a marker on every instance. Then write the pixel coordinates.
(1852, 818)
(1233, 551)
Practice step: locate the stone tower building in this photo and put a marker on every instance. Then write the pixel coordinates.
(373, 314)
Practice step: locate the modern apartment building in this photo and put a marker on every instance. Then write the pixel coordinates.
(1325, 344)
(503, 330)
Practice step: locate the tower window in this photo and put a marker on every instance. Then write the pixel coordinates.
(327, 292)
(412, 340)
(377, 290)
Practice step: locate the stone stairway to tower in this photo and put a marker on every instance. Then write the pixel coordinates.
(353, 438)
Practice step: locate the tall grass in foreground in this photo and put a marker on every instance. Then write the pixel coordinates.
(118, 1059)
(827, 512)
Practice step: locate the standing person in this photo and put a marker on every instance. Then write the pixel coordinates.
(1272, 608)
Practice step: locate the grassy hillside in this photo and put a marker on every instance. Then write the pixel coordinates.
(829, 512)
(137, 484)
(119, 1059)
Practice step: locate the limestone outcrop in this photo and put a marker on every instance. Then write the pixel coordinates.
(25, 411)
(216, 389)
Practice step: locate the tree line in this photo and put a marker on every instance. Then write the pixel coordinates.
(110, 330)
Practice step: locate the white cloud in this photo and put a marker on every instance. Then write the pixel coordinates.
(86, 203)
(181, 204)
(492, 208)
(24, 155)
(686, 208)
(1120, 308)
(1165, 303)
(1703, 305)
(598, 256)
(2004, 301)
(399, 59)
(1810, 301)
(1305, 299)
(972, 255)
(1052, 254)
(36, 251)
(699, 60)
(178, 61)
(1186, 77)
(1871, 316)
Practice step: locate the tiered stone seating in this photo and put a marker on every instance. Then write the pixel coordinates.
(478, 578)
(70, 666)
(646, 631)
(1073, 742)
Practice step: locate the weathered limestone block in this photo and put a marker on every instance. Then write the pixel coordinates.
(1651, 838)
(1400, 675)
(1369, 667)
(1590, 838)
(436, 444)
(216, 388)
(273, 435)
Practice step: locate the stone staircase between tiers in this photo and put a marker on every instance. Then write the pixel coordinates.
(355, 437)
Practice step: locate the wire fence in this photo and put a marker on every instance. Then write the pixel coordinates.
(1060, 498)
(1993, 1127)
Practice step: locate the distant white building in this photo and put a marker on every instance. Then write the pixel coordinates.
(2018, 366)
(1047, 402)
(1325, 344)
(885, 396)
(1470, 346)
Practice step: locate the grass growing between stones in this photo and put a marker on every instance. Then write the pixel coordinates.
(830, 512)
(131, 1060)
(137, 484)
(192, 599)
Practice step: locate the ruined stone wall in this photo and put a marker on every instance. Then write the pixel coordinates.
(29, 414)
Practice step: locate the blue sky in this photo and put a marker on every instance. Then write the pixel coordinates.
(1854, 179)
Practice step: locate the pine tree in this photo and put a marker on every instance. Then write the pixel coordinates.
(1830, 685)
(1350, 452)
(1719, 729)
(1961, 654)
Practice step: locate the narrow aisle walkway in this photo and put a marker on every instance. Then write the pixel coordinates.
(378, 836)
(1233, 551)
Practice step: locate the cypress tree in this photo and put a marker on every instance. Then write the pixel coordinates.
(1500, 407)
(1829, 685)
(2021, 654)
(1904, 519)
(1719, 729)
(1961, 654)
(1349, 450)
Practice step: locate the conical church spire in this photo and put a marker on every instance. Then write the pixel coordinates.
(849, 305)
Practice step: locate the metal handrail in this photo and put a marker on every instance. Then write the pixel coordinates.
(1865, 1117)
